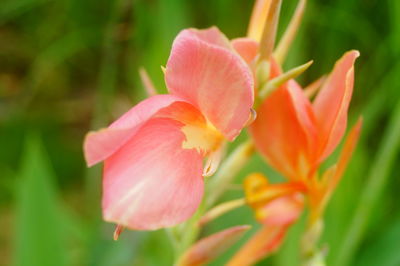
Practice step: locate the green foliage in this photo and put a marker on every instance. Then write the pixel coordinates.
(39, 229)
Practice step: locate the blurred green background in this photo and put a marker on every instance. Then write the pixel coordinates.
(68, 66)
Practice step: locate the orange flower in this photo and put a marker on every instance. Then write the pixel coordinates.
(295, 135)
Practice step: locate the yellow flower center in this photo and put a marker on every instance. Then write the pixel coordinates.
(203, 137)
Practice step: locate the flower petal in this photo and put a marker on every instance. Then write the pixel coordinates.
(211, 76)
(281, 211)
(263, 243)
(276, 218)
(332, 102)
(246, 47)
(259, 193)
(345, 156)
(284, 130)
(152, 182)
(209, 248)
(99, 145)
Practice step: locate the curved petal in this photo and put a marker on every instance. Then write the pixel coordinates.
(207, 249)
(212, 36)
(277, 216)
(246, 48)
(282, 211)
(206, 73)
(152, 181)
(332, 103)
(99, 145)
(284, 131)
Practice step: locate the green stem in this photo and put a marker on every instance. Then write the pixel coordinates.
(379, 173)
(311, 254)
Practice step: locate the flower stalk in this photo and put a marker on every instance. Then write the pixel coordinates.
(311, 254)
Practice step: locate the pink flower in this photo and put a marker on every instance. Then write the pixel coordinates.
(153, 154)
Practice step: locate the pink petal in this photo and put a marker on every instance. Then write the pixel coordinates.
(209, 248)
(332, 103)
(284, 131)
(103, 143)
(206, 72)
(282, 211)
(152, 182)
(247, 48)
(212, 36)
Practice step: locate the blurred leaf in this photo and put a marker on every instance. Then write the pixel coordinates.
(384, 250)
(39, 235)
(372, 190)
(12, 8)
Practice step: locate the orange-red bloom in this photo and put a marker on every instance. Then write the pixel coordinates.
(295, 135)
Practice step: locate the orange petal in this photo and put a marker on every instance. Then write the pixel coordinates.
(284, 131)
(332, 102)
(344, 158)
(311, 89)
(262, 244)
(257, 20)
(209, 248)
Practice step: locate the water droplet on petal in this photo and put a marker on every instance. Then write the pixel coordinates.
(252, 117)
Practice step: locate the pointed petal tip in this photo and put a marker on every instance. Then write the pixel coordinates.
(355, 53)
(360, 122)
(332, 103)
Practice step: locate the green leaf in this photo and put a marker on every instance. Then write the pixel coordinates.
(39, 234)
(384, 250)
